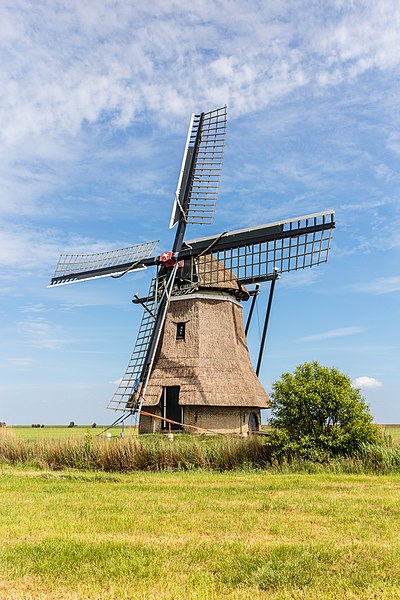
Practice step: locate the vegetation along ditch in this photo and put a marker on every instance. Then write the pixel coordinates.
(214, 453)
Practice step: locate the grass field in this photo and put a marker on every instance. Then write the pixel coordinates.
(392, 431)
(197, 535)
(58, 432)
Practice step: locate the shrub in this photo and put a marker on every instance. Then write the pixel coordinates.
(316, 413)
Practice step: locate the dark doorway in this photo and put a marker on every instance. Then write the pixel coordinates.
(170, 408)
(254, 422)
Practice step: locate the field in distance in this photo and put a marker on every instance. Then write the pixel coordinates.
(392, 432)
(60, 432)
(240, 535)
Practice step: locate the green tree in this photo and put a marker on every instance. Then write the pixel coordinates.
(317, 411)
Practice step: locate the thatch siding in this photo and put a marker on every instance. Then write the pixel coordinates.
(211, 365)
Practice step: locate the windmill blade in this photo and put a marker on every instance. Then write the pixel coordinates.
(80, 267)
(132, 387)
(254, 255)
(128, 387)
(196, 193)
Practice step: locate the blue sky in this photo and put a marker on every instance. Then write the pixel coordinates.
(95, 103)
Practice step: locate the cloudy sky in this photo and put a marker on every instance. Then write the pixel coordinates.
(95, 101)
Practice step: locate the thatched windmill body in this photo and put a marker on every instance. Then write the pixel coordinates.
(190, 366)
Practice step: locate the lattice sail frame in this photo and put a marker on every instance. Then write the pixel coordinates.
(296, 244)
(203, 180)
(132, 387)
(127, 391)
(80, 267)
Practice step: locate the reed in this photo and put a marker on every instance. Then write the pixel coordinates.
(184, 453)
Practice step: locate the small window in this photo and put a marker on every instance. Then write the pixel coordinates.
(180, 331)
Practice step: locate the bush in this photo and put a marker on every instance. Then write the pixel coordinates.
(316, 413)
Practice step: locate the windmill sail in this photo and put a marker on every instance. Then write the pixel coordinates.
(132, 387)
(197, 189)
(80, 267)
(253, 255)
(128, 387)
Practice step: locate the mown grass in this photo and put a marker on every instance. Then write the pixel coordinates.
(196, 535)
(60, 432)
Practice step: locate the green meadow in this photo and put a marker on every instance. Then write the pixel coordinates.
(208, 517)
(143, 535)
(392, 432)
(59, 432)
(26, 432)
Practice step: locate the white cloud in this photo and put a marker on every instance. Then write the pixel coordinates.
(24, 247)
(20, 362)
(117, 59)
(333, 333)
(122, 62)
(301, 278)
(366, 382)
(34, 308)
(382, 285)
(393, 143)
(40, 333)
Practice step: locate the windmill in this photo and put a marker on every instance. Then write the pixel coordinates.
(190, 367)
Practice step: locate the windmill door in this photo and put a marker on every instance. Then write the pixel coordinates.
(254, 422)
(170, 408)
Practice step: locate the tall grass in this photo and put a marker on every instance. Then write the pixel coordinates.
(157, 453)
(153, 453)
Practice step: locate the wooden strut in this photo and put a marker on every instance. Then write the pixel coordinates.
(147, 414)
